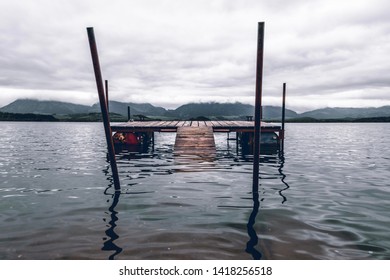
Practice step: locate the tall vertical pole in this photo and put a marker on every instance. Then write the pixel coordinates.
(283, 115)
(128, 114)
(106, 84)
(259, 85)
(103, 106)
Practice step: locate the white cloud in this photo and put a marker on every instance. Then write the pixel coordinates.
(173, 52)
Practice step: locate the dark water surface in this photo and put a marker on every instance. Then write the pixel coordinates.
(326, 198)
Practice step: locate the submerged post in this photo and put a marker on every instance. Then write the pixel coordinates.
(259, 85)
(106, 84)
(103, 106)
(283, 115)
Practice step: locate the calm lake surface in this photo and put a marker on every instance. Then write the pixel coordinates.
(326, 198)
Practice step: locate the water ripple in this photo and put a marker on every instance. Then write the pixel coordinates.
(324, 198)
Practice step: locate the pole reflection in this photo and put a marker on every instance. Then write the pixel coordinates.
(253, 238)
(109, 244)
(280, 169)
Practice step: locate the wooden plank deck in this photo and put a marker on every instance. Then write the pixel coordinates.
(194, 140)
(172, 126)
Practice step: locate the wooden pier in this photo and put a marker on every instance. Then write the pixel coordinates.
(192, 135)
(197, 137)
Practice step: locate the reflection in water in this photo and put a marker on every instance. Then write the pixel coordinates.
(336, 207)
(109, 244)
(253, 239)
(280, 169)
(178, 164)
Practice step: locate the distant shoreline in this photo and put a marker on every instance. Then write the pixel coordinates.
(96, 117)
(63, 111)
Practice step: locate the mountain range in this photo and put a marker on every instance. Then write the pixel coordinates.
(211, 110)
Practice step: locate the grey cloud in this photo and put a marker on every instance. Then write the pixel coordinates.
(174, 52)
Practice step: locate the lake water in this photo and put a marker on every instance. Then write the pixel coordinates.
(326, 198)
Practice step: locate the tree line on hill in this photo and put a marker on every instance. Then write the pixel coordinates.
(34, 110)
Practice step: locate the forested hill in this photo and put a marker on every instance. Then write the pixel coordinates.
(211, 110)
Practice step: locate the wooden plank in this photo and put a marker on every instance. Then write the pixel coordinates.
(201, 123)
(224, 123)
(219, 123)
(194, 140)
(149, 124)
(167, 123)
(230, 124)
(236, 123)
(162, 123)
(214, 123)
(246, 123)
(181, 123)
(132, 124)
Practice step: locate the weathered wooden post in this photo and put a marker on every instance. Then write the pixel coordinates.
(108, 108)
(283, 115)
(103, 106)
(258, 108)
(253, 241)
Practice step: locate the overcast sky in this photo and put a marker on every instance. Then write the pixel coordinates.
(330, 53)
